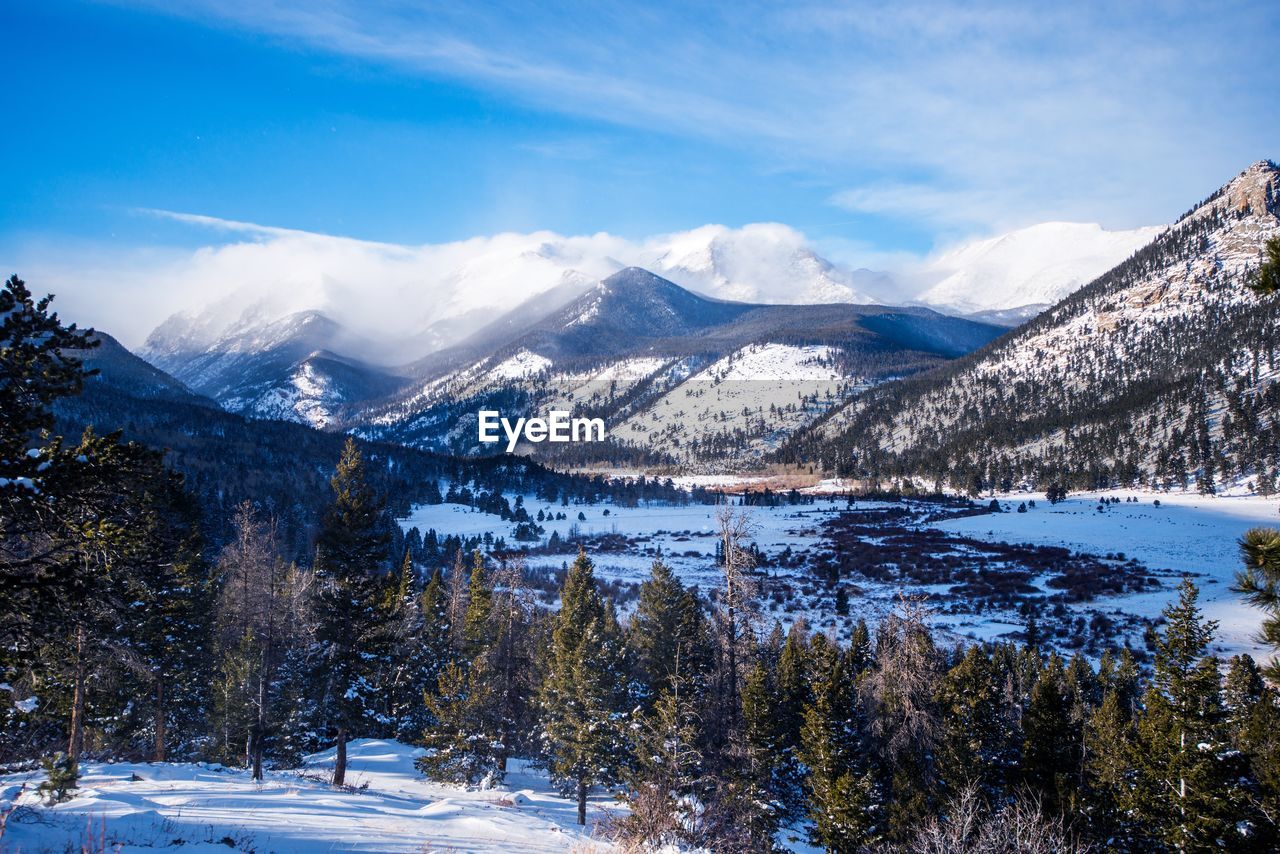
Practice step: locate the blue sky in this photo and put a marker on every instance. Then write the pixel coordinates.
(874, 128)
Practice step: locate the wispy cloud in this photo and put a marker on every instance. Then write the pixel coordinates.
(1016, 113)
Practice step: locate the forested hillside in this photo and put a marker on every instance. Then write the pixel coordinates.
(1162, 372)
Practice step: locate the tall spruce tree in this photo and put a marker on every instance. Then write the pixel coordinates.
(668, 627)
(351, 556)
(582, 697)
(1049, 752)
(1185, 795)
(1108, 772)
(840, 788)
(977, 745)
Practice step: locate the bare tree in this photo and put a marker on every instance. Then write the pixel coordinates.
(969, 827)
(899, 691)
(255, 588)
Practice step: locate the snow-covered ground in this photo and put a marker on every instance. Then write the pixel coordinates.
(1187, 534)
(388, 807)
(685, 537)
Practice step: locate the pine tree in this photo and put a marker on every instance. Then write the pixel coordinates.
(977, 742)
(792, 686)
(666, 784)
(840, 791)
(1260, 584)
(461, 742)
(1266, 281)
(477, 630)
(1184, 793)
(582, 693)
(1108, 774)
(165, 592)
(668, 627)
(763, 778)
(414, 662)
(350, 557)
(1252, 720)
(1049, 749)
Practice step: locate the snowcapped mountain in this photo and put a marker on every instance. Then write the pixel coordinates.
(1015, 275)
(310, 337)
(443, 293)
(762, 263)
(281, 369)
(1163, 372)
(248, 349)
(679, 378)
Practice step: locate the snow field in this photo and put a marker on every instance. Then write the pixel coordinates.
(388, 807)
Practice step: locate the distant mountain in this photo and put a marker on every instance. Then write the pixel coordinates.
(283, 467)
(760, 263)
(1162, 372)
(679, 378)
(280, 369)
(1012, 277)
(124, 373)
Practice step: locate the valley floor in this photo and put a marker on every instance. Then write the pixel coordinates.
(1187, 533)
(388, 807)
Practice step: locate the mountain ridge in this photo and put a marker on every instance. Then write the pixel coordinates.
(1160, 371)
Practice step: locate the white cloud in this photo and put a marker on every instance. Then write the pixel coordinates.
(406, 298)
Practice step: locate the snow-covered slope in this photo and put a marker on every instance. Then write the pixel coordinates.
(389, 807)
(677, 377)
(1028, 269)
(1163, 370)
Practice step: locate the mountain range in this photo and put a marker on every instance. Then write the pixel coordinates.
(1159, 368)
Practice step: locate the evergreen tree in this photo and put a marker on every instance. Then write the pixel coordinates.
(840, 791)
(164, 593)
(1260, 584)
(477, 631)
(1108, 772)
(1266, 281)
(461, 741)
(1185, 795)
(415, 661)
(764, 776)
(582, 693)
(977, 742)
(1253, 727)
(666, 784)
(668, 627)
(350, 557)
(1049, 749)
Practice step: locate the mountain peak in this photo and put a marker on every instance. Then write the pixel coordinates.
(1254, 192)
